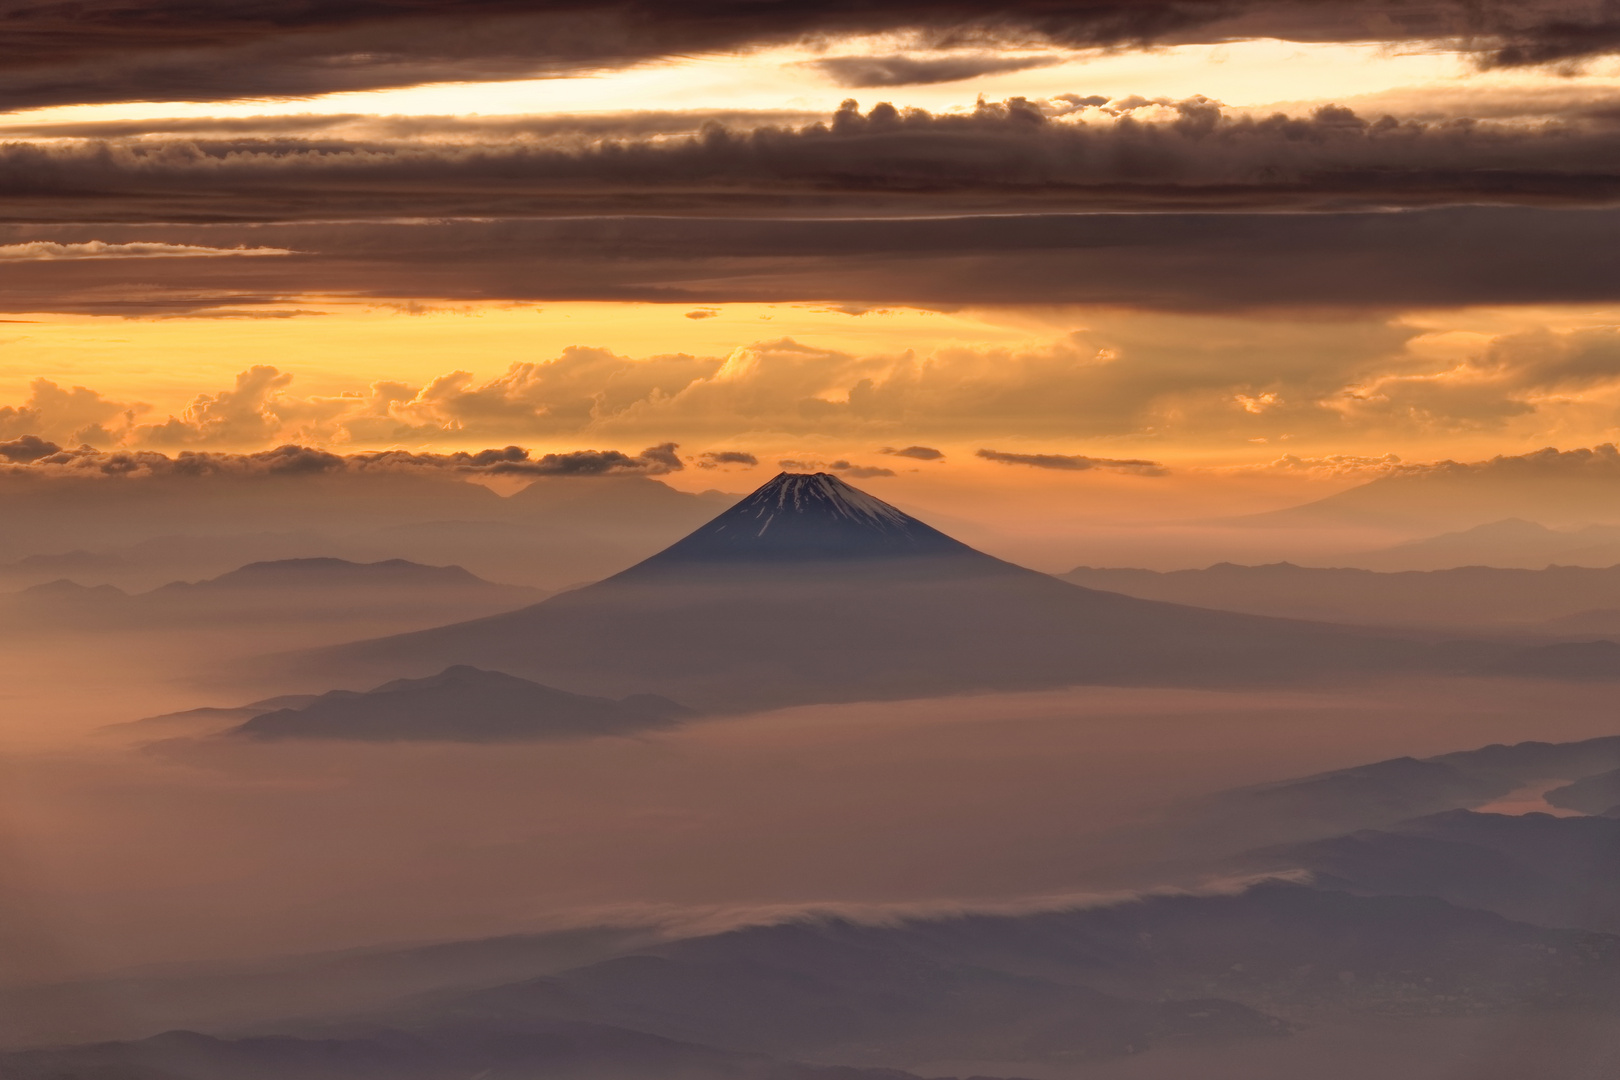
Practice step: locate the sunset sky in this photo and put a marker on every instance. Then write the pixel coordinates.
(1110, 243)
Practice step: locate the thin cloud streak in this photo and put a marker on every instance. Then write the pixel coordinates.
(47, 251)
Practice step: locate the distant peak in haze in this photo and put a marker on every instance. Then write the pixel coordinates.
(806, 517)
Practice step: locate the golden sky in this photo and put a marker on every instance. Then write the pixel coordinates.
(1264, 234)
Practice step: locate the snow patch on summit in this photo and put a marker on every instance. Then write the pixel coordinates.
(808, 492)
(808, 517)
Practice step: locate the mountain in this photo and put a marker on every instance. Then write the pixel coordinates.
(803, 518)
(1556, 600)
(1511, 542)
(1568, 488)
(461, 704)
(209, 719)
(810, 590)
(285, 590)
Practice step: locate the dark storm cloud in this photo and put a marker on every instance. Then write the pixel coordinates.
(868, 71)
(1075, 463)
(70, 51)
(1189, 262)
(1009, 156)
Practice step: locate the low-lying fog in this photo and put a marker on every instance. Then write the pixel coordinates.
(124, 851)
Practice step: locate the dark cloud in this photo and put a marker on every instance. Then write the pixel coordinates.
(653, 461)
(860, 472)
(110, 50)
(31, 456)
(26, 449)
(715, 458)
(1011, 156)
(1219, 262)
(71, 51)
(1556, 40)
(920, 453)
(860, 72)
(1074, 463)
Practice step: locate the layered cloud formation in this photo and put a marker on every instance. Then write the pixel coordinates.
(1011, 155)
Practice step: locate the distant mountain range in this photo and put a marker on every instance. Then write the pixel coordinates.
(139, 533)
(1569, 488)
(1511, 542)
(297, 590)
(1557, 600)
(810, 590)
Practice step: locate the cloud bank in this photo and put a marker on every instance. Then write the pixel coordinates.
(1011, 155)
(1165, 381)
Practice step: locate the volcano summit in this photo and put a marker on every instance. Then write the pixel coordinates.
(802, 517)
(810, 590)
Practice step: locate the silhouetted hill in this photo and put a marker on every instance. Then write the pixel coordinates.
(461, 704)
(1548, 600)
(326, 573)
(812, 591)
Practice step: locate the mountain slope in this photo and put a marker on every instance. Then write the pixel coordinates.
(812, 591)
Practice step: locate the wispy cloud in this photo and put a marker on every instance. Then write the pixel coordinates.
(52, 251)
(1075, 462)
